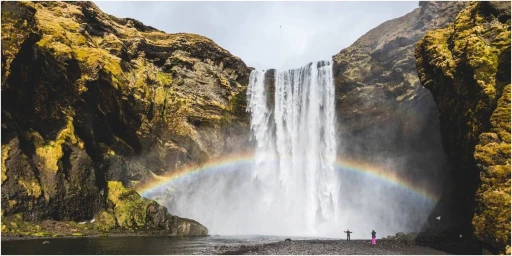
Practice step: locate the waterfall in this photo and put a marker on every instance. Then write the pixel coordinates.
(290, 186)
(295, 144)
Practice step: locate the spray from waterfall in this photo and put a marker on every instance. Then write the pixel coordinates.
(292, 184)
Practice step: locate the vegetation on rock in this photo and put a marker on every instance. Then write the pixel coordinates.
(467, 68)
(88, 98)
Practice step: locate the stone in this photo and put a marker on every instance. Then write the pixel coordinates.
(466, 66)
(91, 98)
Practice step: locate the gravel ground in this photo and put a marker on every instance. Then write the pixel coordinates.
(325, 247)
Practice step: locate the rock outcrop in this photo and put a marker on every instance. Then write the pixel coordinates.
(130, 211)
(88, 98)
(466, 66)
(384, 114)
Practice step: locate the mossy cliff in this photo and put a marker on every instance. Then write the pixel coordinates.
(88, 98)
(466, 66)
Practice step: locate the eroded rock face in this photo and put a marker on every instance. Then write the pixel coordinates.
(88, 98)
(466, 66)
(384, 115)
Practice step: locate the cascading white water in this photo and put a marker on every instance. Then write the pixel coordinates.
(296, 144)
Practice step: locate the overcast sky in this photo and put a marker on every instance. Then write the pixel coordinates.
(264, 35)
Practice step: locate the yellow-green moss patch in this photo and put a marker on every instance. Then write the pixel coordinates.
(129, 207)
(164, 78)
(104, 221)
(5, 155)
(51, 152)
(31, 186)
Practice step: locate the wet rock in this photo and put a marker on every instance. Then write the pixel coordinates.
(466, 66)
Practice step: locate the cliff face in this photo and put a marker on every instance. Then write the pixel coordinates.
(466, 66)
(384, 114)
(88, 98)
(379, 68)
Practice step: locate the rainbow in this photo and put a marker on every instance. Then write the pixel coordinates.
(248, 158)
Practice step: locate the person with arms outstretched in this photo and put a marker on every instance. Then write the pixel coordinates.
(348, 234)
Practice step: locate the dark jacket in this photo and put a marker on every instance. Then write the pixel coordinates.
(374, 234)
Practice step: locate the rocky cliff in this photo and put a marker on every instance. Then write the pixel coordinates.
(384, 114)
(89, 98)
(376, 75)
(466, 66)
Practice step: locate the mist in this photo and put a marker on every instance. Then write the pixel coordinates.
(292, 186)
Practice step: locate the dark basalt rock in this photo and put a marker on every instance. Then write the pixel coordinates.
(88, 98)
(466, 66)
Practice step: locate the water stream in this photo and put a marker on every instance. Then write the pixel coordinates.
(298, 131)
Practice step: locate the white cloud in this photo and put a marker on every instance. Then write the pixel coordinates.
(267, 34)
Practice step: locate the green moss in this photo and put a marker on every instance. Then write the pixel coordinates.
(484, 61)
(43, 234)
(160, 95)
(164, 78)
(500, 119)
(15, 224)
(237, 102)
(94, 56)
(16, 28)
(460, 64)
(12, 203)
(51, 152)
(31, 186)
(104, 221)
(63, 38)
(492, 218)
(436, 44)
(223, 81)
(129, 208)
(5, 155)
